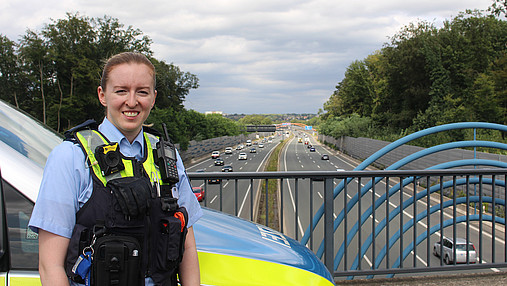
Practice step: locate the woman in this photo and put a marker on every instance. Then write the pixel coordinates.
(127, 91)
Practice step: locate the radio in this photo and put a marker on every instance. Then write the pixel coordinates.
(165, 158)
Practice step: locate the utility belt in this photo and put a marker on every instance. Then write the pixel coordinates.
(139, 236)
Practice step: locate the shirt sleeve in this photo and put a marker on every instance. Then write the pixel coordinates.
(187, 198)
(66, 185)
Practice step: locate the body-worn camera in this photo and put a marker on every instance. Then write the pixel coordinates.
(165, 157)
(109, 158)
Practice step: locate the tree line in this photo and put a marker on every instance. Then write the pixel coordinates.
(53, 75)
(426, 76)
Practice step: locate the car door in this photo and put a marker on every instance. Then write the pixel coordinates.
(19, 249)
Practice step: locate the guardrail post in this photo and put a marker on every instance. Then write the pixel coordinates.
(328, 225)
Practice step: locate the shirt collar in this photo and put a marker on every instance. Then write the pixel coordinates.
(114, 135)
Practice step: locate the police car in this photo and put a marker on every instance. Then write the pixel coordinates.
(231, 251)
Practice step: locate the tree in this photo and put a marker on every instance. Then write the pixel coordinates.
(11, 78)
(64, 61)
(36, 63)
(255, 120)
(173, 85)
(72, 50)
(354, 94)
(498, 7)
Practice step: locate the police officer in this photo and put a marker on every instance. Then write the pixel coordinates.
(128, 92)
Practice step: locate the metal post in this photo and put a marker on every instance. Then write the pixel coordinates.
(328, 225)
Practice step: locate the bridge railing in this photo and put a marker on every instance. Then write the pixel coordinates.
(366, 223)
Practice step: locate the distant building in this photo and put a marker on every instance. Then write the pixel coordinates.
(213, 112)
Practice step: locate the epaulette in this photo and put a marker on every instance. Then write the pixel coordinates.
(152, 131)
(88, 124)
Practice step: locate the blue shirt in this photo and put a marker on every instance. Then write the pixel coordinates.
(67, 184)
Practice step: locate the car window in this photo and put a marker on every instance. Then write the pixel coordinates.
(23, 243)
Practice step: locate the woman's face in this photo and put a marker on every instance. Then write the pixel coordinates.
(128, 97)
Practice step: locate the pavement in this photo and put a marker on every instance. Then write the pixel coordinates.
(463, 279)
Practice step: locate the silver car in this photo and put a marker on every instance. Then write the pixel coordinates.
(461, 250)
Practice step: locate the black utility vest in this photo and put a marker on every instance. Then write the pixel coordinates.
(125, 249)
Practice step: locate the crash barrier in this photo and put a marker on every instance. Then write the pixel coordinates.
(362, 148)
(368, 223)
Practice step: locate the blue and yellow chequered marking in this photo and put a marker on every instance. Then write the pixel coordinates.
(226, 270)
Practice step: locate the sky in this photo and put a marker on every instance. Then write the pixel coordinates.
(251, 56)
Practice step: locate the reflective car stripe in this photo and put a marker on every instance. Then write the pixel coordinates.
(24, 281)
(225, 270)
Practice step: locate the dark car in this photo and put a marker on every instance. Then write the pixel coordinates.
(227, 169)
(312, 149)
(309, 146)
(324, 157)
(219, 162)
(214, 181)
(199, 193)
(253, 150)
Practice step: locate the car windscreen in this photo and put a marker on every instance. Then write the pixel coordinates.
(26, 135)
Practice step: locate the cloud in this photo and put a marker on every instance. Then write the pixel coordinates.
(259, 56)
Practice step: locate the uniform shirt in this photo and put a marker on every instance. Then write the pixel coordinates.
(67, 184)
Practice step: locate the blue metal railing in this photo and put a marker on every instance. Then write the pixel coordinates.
(364, 235)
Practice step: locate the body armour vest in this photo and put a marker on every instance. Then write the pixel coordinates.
(129, 227)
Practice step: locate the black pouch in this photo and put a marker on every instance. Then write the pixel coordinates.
(130, 202)
(117, 261)
(169, 245)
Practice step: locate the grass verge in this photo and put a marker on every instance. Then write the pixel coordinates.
(272, 192)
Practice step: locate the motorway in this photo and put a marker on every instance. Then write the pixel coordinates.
(297, 198)
(303, 197)
(234, 197)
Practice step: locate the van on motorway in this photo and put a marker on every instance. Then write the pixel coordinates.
(249, 142)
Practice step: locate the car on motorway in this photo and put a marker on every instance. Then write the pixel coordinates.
(253, 150)
(447, 251)
(324, 157)
(215, 154)
(312, 149)
(261, 145)
(242, 156)
(223, 241)
(199, 193)
(228, 150)
(219, 162)
(240, 147)
(227, 168)
(214, 181)
(248, 142)
(309, 146)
